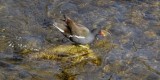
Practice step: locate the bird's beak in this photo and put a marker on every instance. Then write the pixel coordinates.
(102, 33)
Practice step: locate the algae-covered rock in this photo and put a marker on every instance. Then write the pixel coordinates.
(68, 53)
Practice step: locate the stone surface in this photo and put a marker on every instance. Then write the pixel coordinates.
(131, 49)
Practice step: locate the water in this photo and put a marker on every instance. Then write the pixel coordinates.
(31, 48)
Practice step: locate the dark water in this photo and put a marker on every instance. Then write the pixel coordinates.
(130, 52)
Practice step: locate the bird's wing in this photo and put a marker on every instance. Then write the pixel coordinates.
(65, 32)
(82, 31)
(55, 25)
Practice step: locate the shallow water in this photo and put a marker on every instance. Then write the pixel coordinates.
(130, 52)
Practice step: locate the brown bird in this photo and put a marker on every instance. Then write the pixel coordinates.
(78, 33)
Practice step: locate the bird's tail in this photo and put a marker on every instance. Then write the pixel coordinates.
(65, 18)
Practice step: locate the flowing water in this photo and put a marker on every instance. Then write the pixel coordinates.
(32, 49)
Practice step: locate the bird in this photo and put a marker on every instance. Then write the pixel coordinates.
(78, 33)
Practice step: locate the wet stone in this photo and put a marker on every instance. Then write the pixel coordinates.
(32, 49)
(152, 77)
(24, 74)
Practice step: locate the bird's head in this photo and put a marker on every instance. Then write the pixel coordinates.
(99, 31)
(102, 33)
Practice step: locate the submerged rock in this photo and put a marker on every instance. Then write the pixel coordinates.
(68, 53)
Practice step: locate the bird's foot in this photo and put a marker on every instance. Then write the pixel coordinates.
(85, 46)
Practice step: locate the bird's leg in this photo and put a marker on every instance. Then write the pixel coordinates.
(84, 46)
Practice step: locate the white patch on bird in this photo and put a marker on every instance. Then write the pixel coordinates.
(76, 36)
(55, 25)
